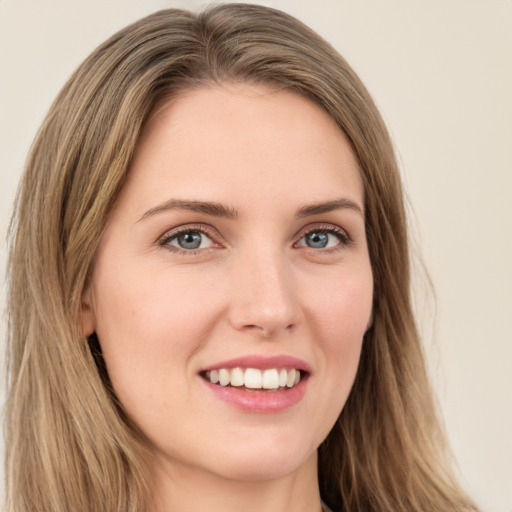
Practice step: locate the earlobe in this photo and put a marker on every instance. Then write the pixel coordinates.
(88, 318)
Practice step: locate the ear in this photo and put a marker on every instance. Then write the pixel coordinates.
(88, 318)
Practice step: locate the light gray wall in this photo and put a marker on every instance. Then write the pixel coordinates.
(441, 73)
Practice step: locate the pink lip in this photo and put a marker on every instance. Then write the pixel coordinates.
(262, 363)
(255, 400)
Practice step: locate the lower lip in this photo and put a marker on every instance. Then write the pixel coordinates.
(258, 400)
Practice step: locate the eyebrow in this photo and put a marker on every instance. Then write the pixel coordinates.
(329, 206)
(206, 207)
(218, 210)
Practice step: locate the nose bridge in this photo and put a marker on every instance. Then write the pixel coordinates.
(264, 292)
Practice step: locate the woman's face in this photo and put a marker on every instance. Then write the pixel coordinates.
(236, 251)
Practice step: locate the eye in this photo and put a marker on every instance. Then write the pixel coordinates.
(187, 240)
(323, 238)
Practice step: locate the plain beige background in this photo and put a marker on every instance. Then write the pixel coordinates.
(441, 72)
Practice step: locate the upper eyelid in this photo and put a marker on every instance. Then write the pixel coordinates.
(322, 226)
(213, 233)
(210, 231)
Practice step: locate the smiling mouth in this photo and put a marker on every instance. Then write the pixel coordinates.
(254, 379)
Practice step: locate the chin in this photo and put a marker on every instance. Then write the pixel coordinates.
(265, 459)
(261, 470)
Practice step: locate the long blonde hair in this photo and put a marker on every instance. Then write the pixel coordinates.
(69, 446)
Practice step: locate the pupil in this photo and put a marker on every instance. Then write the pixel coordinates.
(317, 240)
(189, 240)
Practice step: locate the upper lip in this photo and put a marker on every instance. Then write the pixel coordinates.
(262, 363)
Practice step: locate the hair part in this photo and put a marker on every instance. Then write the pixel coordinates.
(69, 445)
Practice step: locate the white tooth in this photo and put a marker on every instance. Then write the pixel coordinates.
(270, 379)
(237, 377)
(291, 377)
(224, 377)
(283, 378)
(297, 377)
(253, 378)
(214, 376)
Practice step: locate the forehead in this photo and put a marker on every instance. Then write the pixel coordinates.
(245, 142)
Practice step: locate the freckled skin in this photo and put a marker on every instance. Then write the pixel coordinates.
(256, 284)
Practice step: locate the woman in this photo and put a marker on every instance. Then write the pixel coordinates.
(209, 297)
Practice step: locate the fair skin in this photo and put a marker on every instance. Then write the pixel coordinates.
(237, 242)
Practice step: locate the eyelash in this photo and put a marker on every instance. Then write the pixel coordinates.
(189, 228)
(336, 231)
(339, 233)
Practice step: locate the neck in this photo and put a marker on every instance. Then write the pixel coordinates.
(179, 488)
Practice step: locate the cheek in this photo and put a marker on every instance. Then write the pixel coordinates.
(340, 317)
(149, 328)
(138, 304)
(343, 308)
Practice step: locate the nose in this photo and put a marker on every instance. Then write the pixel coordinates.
(265, 298)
